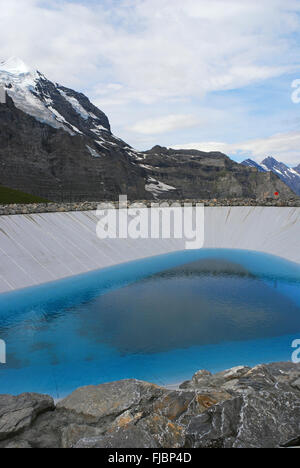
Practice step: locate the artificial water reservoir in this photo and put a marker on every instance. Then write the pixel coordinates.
(159, 319)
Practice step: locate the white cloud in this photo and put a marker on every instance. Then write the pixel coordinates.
(137, 58)
(283, 146)
(164, 124)
(155, 49)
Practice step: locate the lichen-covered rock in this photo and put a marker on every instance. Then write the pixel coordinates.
(165, 433)
(172, 405)
(260, 420)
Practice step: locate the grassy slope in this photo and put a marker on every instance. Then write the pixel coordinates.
(9, 196)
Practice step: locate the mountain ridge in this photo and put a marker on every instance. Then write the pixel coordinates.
(56, 144)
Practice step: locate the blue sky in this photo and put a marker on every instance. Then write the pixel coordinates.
(208, 74)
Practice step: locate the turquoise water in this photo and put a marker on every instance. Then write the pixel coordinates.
(159, 319)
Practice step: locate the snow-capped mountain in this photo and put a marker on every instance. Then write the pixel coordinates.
(56, 144)
(60, 139)
(51, 103)
(291, 176)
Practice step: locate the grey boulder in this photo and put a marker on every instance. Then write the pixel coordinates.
(18, 412)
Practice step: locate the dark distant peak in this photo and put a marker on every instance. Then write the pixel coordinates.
(289, 176)
(271, 162)
(269, 159)
(297, 168)
(273, 165)
(250, 163)
(158, 149)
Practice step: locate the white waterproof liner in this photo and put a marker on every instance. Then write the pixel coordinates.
(38, 248)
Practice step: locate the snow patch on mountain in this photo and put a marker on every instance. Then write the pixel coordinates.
(76, 106)
(61, 119)
(97, 129)
(93, 152)
(156, 187)
(137, 155)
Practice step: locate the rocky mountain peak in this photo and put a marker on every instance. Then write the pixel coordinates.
(51, 103)
(270, 160)
(297, 168)
(272, 163)
(251, 163)
(290, 176)
(158, 149)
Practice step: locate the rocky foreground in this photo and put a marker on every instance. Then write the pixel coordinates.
(237, 408)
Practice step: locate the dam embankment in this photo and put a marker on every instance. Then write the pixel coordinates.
(36, 248)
